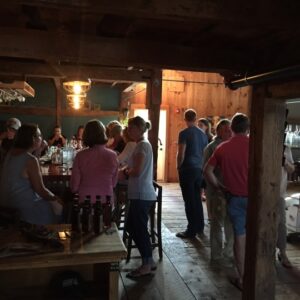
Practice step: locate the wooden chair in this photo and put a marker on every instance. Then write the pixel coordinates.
(154, 225)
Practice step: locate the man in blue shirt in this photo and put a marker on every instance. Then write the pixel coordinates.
(191, 143)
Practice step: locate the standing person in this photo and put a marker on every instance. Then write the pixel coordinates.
(191, 143)
(205, 125)
(57, 139)
(141, 194)
(21, 185)
(288, 167)
(77, 138)
(217, 202)
(232, 159)
(124, 156)
(95, 168)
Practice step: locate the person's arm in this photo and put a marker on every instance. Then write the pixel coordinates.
(35, 177)
(115, 172)
(180, 154)
(138, 163)
(63, 140)
(210, 176)
(126, 153)
(51, 140)
(289, 162)
(75, 177)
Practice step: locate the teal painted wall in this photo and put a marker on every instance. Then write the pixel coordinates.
(106, 97)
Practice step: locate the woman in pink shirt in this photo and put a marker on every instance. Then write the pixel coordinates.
(95, 169)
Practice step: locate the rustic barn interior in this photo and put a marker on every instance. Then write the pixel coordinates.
(216, 57)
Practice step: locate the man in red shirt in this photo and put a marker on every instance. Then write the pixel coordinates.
(232, 159)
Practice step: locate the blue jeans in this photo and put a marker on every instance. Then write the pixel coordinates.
(137, 226)
(190, 182)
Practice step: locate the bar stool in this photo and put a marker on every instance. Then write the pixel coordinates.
(154, 225)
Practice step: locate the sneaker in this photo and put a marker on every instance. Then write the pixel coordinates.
(184, 235)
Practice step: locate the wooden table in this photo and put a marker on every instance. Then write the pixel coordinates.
(98, 255)
(55, 172)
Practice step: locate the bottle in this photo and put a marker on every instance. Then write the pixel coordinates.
(107, 212)
(75, 217)
(86, 215)
(98, 216)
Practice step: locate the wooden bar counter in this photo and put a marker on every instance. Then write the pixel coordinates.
(96, 256)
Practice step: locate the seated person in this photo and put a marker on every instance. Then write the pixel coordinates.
(57, 139)
(115, 133)
(95, 168)
(7, 137)
(77, 138)
(21, 184)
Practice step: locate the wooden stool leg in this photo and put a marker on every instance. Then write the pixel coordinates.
(159, 238)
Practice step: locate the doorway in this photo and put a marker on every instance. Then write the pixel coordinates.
(162, 139)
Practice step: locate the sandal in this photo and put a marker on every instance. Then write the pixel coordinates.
(236, 282)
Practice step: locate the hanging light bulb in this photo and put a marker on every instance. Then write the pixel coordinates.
(77, 92)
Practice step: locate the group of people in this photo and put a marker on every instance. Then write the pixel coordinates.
(223, 162)
(109, 153)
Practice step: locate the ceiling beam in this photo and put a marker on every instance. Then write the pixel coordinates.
(268, 12)
(24, 69)
(63, 47)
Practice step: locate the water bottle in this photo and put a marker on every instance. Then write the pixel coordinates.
(107, 212)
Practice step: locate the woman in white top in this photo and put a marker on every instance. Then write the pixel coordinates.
(141, 194)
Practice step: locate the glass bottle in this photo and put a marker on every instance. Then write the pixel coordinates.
(98, 216)
(107, 212)
(86, 215)
(76, 224)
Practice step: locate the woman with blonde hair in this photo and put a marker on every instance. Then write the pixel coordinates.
(141, 194)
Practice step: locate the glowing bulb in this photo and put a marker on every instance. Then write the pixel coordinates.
(76, 102)
(77, 88)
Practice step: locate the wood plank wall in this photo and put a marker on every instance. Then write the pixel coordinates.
(204, 92)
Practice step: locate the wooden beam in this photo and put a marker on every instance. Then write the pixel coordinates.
(21, 69)
(266, 149)
(266, 13)
(43, 111)
(154, 94)
(59, 97)
(71, 48)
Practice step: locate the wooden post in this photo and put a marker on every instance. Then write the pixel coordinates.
(266, 150)
(59, 96)
(154, 93)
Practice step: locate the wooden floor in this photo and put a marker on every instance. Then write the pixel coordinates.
(186, 272)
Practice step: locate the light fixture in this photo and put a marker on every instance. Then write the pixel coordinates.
(77, 90)
(76, 101)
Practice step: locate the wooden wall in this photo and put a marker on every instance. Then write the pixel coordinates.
(204, 92)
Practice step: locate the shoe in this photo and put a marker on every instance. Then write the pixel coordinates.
(184, 235)
(284, 261)
(201, 235)
(236, 282)
(139, 272)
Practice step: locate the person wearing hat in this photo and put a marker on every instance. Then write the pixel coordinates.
(7, 140)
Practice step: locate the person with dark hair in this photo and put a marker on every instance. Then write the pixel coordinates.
(205, 125)
(191, 143)
(57, 139)
(95, 168)
(141, 194)
(7, 138)
(216, 203)
(232, 158)
(77, 138)
(21, 185)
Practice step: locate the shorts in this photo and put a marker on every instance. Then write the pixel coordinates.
(237, 211)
